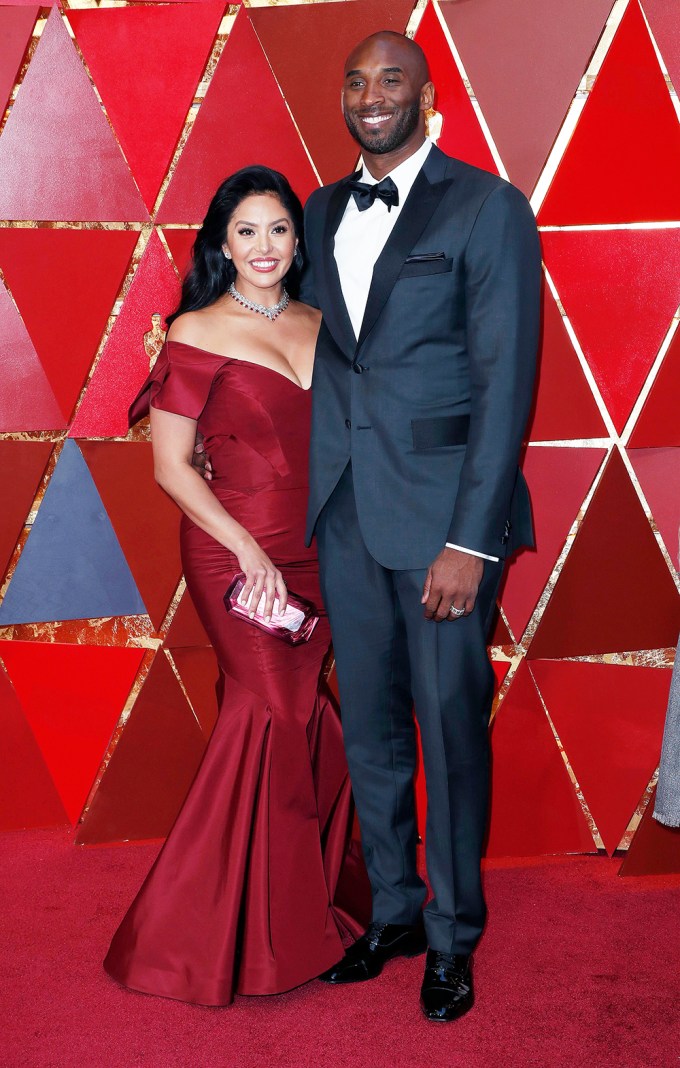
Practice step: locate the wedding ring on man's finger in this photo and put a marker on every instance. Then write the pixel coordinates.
(453, 611)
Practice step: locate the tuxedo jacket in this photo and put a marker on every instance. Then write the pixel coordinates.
(431, 400)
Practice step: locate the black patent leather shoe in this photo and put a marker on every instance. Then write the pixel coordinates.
(381, 942)
(447, 991)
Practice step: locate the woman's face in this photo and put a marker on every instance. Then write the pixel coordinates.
(261, 240)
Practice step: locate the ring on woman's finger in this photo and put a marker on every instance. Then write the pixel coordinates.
(453, 611)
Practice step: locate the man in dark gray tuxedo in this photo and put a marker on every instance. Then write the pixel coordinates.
(427, 273)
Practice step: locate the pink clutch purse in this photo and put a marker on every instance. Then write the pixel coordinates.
(293, 626)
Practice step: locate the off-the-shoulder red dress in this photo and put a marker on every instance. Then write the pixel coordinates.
(258, 884)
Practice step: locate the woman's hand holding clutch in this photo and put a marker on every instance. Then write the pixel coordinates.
(261, 576)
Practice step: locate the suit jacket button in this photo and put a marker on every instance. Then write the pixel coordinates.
(358, 369)
(348, 424)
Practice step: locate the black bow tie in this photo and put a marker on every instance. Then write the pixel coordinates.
(365, 194)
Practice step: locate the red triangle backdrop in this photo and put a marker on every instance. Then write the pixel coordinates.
(125, 361)
(180, 242)
(151, 768)
(186, 629)
(16, 27)
(534, 808)
(65, 283)
(22, 464)
(623, 159)
(499, 633)
(620, 290)
(28, 797)
(199, 673)
(536, 52)
(658, 472)
(329, 34)
(610, 722)
(615, 592)
(461, 135)
(27, 400)
(256, 132)
(658, 423)
(58, 156)
(655, 849)
(145, 519)
(559, 479)
(65, 158)
(662, 16)
(72, 696)
(560, 378)
(146, 96)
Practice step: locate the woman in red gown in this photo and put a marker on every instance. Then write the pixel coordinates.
(257, 886)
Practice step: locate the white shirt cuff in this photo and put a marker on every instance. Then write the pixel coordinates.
(472, 552)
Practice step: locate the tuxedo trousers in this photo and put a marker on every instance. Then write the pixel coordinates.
(390, 661)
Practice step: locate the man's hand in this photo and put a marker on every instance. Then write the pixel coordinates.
(452, 579)
(200, 461)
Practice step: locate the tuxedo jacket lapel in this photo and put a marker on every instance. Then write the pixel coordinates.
(425, 196)
(336, 315)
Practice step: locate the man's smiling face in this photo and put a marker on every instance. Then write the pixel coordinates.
(385, 94)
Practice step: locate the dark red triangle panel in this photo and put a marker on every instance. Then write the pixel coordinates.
(559, 479)
(199, 672)
(131, 347)
(534, 808)
(180, 242)
(16, 27)
(65, 283)
(620, 290)
(615, 592)
(628, 128)
(499, 633)
(564, 406)
(186, 628)
(665, 26)
(243, 120)
(72, 697)
(147, 100)
(325, 35)
(151, 768)
(655, 849)
(58, 156)
(658, 423)
(461, 133)
(22, 464)
(658, 472)
(27, 400)
(525, 74)
(145, 519)
(610, 722)
(28, 797)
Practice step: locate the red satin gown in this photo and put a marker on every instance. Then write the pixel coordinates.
(258, 885)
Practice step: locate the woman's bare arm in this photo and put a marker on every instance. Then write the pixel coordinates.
(173, 438)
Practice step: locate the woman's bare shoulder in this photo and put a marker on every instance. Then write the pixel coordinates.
(189, 328)
(308, 313)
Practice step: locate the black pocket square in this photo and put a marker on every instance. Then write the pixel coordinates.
(427, 263)
(425, 257)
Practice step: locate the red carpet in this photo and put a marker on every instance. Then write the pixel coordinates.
(577, 968)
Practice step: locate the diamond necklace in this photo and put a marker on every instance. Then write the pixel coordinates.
(271, 313)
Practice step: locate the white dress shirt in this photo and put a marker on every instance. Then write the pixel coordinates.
(361, 237)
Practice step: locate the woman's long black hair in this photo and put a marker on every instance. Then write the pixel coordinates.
(211, 273)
